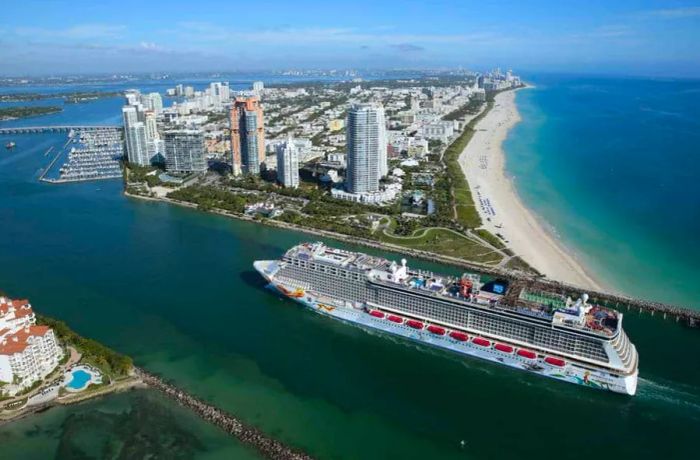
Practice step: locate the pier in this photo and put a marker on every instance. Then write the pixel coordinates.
(54, 129)
(248, 435)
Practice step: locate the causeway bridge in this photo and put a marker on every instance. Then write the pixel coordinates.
(55, 129)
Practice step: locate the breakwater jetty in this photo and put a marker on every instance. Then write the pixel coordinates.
(253, 437)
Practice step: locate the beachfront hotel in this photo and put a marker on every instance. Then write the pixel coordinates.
(28, 352)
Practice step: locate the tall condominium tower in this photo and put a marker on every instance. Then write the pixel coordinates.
(288, 164)
(366, 148)
(184, 151)
(135, 135)
(247, 135)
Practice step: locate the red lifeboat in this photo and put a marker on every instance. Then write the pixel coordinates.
(414, 324)
(481, 342)
(554, 361)
(460, 336)
(504, 348)
(395, 319)
(436, 329)
(376, 313)
(527, 353)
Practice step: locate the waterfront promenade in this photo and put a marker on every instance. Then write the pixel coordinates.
(688, 315)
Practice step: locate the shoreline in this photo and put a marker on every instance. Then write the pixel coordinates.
(689, 314)
(501, 208)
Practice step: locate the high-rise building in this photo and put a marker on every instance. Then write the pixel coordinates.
(135, 135)
(152, 136)
(153, 101)
(247, 135)
(184, 151)
(258, 86)
(366, 148)
(288, 164)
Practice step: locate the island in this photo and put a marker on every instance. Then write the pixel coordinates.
(44, 363)
(13, 113)
(71, 97)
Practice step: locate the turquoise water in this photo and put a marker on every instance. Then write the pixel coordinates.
(613, 166)
(175, 289)
(80, 379)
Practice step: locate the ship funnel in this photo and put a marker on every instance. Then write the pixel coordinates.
(403, 262)
(584, 297)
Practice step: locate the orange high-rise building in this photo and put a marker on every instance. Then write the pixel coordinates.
(247, 135)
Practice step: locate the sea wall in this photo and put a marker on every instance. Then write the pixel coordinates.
(253, 437)
(688, 315)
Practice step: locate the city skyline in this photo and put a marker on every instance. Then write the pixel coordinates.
(631, 37)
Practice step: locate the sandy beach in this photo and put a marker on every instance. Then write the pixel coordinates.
(483, 162)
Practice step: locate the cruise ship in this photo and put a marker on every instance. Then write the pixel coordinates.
(517, 326)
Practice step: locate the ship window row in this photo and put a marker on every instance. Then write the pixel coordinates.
(497, 326)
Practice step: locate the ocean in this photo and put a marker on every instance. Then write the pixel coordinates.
(611, 165)
(175, 289)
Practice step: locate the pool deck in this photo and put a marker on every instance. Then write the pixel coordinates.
(94, 379)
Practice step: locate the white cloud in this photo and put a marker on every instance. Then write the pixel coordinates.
(78, 32)
(207, 32)
(675, 13)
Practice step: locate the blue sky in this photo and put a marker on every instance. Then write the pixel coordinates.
(615, 36)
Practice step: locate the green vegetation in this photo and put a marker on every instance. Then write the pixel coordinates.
(446, 242)
(208, 198)
(491, 238)
(74, 97)
(136, 174)
(107, 360)
(9, 113)
(470, 108)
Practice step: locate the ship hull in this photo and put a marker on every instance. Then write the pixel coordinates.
(344, 311)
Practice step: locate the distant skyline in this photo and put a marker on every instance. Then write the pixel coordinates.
(626, 37)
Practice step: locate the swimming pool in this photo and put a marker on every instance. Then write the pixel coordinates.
(80, 379)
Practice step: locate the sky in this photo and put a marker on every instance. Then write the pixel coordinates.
(623, 37)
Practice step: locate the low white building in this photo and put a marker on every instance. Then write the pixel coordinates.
(386, 194)
(28, 352)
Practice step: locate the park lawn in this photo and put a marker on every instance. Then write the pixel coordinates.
(447, 243)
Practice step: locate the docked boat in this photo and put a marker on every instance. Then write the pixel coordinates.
(544, 333)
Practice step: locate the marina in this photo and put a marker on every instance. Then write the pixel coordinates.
(87, 155)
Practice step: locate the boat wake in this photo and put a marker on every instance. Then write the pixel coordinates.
(687, 396)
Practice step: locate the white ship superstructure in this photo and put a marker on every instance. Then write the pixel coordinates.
(541, 332)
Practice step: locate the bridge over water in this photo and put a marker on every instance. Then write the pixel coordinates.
(55, 129)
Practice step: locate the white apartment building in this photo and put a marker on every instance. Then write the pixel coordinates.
(28, 352)
(288, 164)
(366, 148)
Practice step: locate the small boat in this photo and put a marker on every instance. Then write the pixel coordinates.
(376, 313)
(395, 319)
(481, 342)
(459, 336)
(10, 145)
(503, 347)
(437, 330)
(414, 324)
(527, 353)
(554, 361)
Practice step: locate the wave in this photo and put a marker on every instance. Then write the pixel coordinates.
(685, 395)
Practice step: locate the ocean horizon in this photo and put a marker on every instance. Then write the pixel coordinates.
(610, 166)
